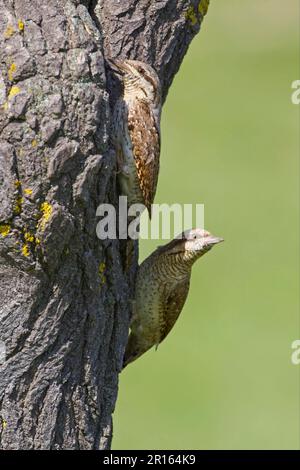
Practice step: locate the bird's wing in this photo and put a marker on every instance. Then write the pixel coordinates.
(145, 138)
(173, 305)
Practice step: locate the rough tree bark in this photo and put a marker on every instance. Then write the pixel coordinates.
(65, 310)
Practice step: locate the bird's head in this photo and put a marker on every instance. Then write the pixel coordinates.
(191, 244)
(139, 79)
(199, 240)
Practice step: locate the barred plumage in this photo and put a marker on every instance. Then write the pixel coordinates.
(136, 131)
(162, 287)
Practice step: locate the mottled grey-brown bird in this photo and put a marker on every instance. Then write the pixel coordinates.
(162, 286)
(136, 130)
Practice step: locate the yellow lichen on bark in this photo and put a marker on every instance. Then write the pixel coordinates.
(25, 250)
(191, 16)
(18, 205)
(4, 230)
(46, 210)
(101, 271)
(28, 191)
(29, 237)
(21, 25)
(4, 424)
(12, 69)
(15, 90)
(203, 7)
(9, 31)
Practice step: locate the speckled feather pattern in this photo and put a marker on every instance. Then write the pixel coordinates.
(145, 140)
(162, 287)
(136, 133)
(127, 174)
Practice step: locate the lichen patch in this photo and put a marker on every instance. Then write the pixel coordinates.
(4, 230)
(46, 210)
(11, 71)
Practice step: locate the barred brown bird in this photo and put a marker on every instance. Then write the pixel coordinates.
(136, 131)
(162, 287)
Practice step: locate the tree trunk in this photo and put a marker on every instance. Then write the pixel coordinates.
(65, 300)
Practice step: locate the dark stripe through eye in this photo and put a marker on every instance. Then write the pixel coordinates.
(146, 76)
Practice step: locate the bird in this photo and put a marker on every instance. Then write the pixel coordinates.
(136, 130)
(161, 289)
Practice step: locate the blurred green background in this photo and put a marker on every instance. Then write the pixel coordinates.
(223, 379)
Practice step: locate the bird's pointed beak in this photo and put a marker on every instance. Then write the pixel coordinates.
(212, 240)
